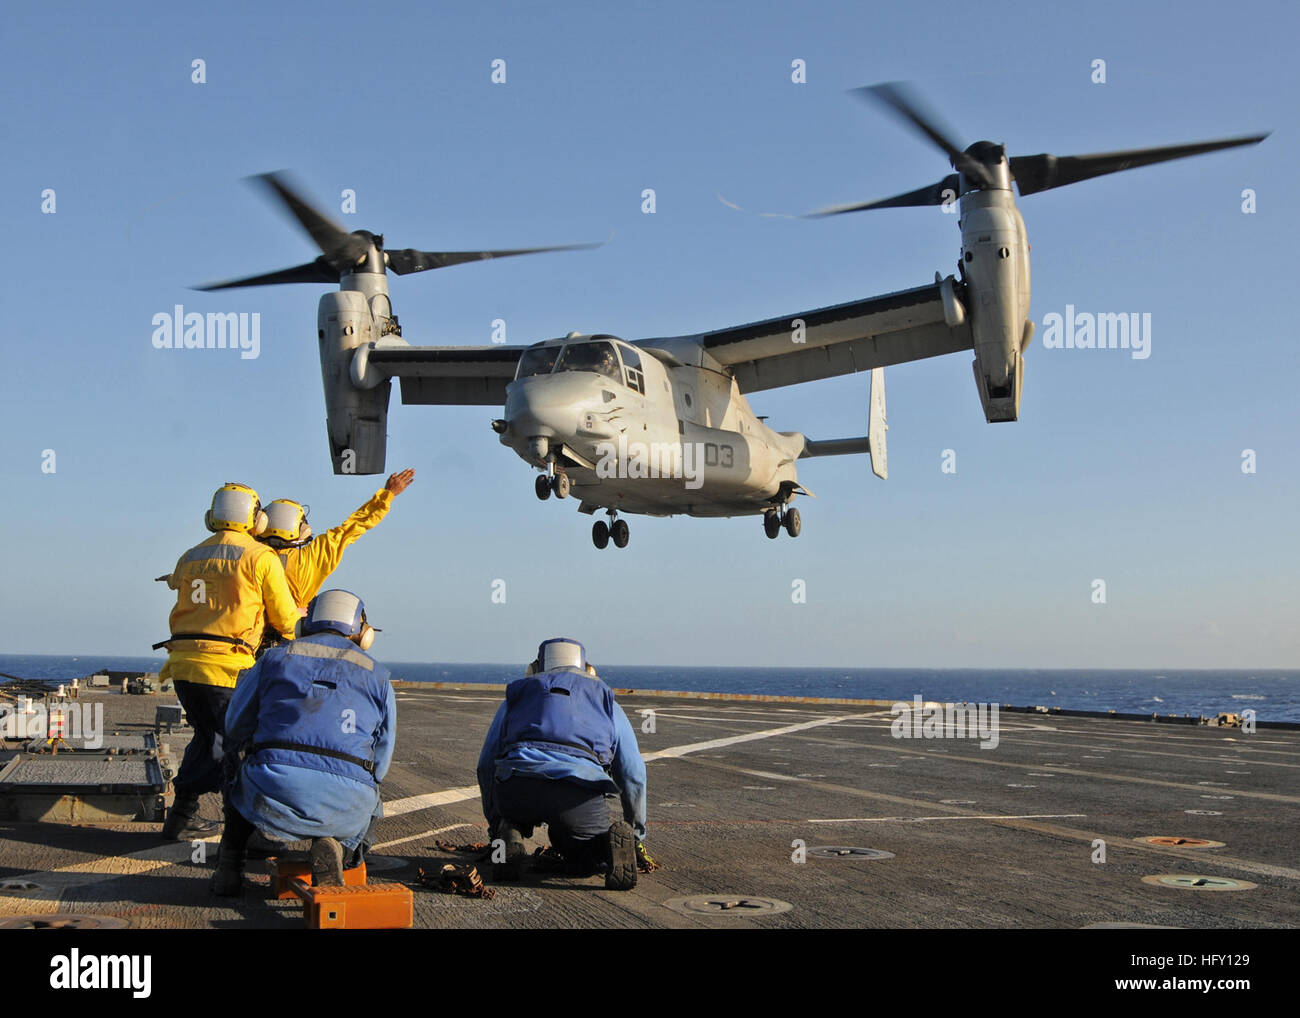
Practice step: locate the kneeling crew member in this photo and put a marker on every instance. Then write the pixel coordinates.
(556, 748)
(317, 719)
(227, 589)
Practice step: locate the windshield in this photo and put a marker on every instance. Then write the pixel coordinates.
(598, 356)
(537, 360)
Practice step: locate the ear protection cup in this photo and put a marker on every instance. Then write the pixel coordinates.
(259, 521)
(207, 521)
(366, 639)
(304, 532)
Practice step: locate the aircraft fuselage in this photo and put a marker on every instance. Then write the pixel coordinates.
(642, 432)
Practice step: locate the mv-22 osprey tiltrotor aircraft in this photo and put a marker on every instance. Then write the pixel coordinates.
(662, 426)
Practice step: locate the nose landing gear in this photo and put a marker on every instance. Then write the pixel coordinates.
(616, 529)
(553, 480)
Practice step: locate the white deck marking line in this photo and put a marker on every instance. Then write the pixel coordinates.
(457, 699)
(1237, 745)
(771, 776)
(913, 820)
(704, 717)
(466, 792)
(135, 863)
(1136, 751)
(417, 837)
(145, 861)
(411, 803)
(97, 871)
(772, 715)
(732, 740)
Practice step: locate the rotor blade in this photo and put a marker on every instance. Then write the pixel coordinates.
(319, 271)
(337, 244)
(408, 260)
(902, 101)
(1045, 171)
(934, 194)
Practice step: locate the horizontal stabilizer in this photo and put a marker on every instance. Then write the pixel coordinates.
(873, 444)
(835, 447)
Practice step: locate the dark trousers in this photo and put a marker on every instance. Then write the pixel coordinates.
(237, 831)
(205, 707)
(576, 816)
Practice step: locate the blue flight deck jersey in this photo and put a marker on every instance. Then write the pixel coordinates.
(541, 757)
(318, 693)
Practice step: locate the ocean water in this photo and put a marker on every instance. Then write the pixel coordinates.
(1273, 695)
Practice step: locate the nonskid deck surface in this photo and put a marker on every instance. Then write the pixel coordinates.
(738, 790)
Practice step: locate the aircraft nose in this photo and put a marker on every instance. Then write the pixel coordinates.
(555, 405)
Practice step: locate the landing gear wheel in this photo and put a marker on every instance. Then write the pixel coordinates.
(561, 485)
(619, 533)
(600, 534)
(543, 487)
(792, 524)
(771, 524)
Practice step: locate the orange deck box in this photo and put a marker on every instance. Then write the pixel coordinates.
(365, 907)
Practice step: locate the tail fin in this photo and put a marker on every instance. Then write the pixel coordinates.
(873, 444)
(876, 426)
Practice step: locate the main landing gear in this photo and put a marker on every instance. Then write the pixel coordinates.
(775, 519)
(602, 532)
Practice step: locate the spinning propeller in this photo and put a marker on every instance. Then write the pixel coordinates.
(343, 252)
(978, 165)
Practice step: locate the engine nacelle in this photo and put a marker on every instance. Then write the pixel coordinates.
(995, 264)
(1001, 402)
(356, 419)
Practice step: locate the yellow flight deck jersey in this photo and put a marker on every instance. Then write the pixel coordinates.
(230, 585)
(307, 568)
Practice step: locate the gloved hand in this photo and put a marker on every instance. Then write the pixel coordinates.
(644, 862)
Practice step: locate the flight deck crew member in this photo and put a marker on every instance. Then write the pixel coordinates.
(227, 589)
(317, 720)
(307, 560)
(556, 748)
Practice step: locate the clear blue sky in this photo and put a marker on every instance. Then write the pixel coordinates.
(1124, 470)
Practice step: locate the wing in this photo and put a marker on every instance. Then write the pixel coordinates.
(908, 325)
(450, 375)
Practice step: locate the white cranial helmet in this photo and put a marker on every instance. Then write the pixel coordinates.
(561, 653)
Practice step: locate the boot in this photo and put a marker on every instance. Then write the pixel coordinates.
(621, 875)
(228, 880)
(326, 863)
(183, 821)
(516, 853)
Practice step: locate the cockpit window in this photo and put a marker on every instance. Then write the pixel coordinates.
(537, 360)
(632, 369)
(598, 356)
